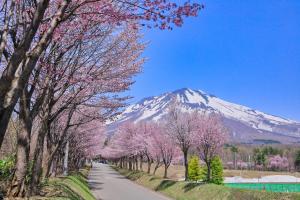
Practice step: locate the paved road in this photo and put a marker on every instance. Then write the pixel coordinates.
(107, 184)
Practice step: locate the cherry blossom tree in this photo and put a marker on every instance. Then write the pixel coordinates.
(29, 27)
(86, 142)
(146, 132)
(82, 75)
(58, 58)
(241, 164)
(209, 137)
(131, 141)
(154, 149)
(179, 126)
(164, 147)
(277, 162)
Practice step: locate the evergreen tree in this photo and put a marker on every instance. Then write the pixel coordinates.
(195, 172)
(259, 157)
(234, 151)
(297, 160)
(217, 171)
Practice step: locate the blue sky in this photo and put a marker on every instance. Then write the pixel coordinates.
(246, 52)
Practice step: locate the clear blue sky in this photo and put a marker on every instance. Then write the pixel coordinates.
(246, 52)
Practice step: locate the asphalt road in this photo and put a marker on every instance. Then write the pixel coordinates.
(107, 184)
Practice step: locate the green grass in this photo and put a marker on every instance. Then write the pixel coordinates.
(72, 187)
(199, 191)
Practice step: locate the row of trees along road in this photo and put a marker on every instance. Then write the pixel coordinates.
(168, 141)
(62, 65)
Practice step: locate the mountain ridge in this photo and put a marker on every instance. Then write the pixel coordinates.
(246, 124)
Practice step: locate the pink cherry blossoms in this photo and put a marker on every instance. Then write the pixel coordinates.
(278, 162)
(164, 142)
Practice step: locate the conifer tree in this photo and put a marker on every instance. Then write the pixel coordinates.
(195, 172)
(217, 171)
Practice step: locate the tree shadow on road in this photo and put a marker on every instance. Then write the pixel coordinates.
(95, 185)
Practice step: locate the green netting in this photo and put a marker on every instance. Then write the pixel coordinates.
(272, 187)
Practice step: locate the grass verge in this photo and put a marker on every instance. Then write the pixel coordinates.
(199, 191)
(72, 187)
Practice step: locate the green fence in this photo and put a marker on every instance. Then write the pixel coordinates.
(272, 187)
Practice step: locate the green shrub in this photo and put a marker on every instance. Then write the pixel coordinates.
(195, 170)
(297, 160)
(6, 167)
(217, 171)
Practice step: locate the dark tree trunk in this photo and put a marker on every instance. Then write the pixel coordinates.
(4, 120)
(149, 165)
(155, 168)
(126, 163)
(136, 164)
(133, 164)
(186, 165)
(141, 163)
(208, 172)
(166, 171)
(130, 165)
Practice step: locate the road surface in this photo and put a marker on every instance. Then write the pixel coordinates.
(107, 184)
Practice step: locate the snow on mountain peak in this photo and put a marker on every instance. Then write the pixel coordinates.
(155, 108)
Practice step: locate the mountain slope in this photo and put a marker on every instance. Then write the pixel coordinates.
(245, 124)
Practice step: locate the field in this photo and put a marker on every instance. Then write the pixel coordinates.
(176, 172)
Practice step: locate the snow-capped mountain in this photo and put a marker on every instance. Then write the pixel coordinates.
(246, 124)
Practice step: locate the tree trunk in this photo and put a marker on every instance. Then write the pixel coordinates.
(4, 120)
(149, 165)
(208, 172)
(166, 171)
(136, 164)
(54, 167)
(141, 163)
(130, 165)
(17, 188)
(125, 163)
(21, 164)
(38, 158)
(186, 165)
(133, 164)
(48, 164)
(155, 168)
(17, 73)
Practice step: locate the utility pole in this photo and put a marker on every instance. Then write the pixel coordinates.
(66, 159)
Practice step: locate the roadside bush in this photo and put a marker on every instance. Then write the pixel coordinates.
(217, 171)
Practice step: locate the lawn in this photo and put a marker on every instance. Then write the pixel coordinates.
(181, 190)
